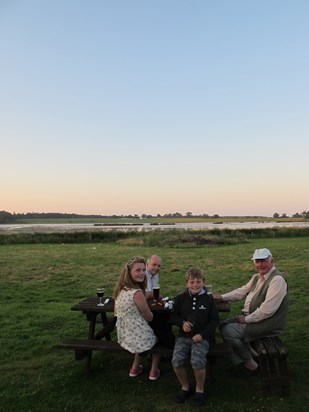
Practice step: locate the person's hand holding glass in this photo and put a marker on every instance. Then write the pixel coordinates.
(189, 325)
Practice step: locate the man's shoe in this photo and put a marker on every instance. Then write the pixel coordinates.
(199, 399)
(246, 373)
(182, 396)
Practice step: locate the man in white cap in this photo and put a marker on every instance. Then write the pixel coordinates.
(264, 313)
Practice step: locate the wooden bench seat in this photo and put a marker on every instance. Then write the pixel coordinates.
(84, 347)
(272, 359)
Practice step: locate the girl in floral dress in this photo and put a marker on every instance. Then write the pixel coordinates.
(133, 314)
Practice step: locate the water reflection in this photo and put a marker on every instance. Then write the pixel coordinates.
(68, 227)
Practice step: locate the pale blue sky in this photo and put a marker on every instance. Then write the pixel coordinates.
(154, 106)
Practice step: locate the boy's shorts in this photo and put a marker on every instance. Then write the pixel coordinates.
(184, 346)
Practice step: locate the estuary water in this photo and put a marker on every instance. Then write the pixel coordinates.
(69, 227)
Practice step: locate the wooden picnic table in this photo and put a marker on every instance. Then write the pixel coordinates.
(89, 306)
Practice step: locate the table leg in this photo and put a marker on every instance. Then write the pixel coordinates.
(108, 327)
(92, 321)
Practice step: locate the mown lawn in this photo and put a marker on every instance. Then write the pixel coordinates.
(40, 283)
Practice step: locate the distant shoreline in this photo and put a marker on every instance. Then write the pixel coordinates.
(82, 227)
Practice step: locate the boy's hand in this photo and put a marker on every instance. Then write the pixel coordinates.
(187, 326)
(197, 338)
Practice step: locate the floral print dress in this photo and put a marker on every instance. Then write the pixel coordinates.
(133, 331)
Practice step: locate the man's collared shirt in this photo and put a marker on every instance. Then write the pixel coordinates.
(152, 281)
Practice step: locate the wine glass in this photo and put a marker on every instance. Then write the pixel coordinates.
(100, 293)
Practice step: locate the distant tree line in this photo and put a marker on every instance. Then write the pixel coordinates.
(304, 215)
(7, 217)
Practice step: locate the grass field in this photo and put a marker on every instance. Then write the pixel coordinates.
(40, 283)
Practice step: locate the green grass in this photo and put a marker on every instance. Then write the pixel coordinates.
(40, 283)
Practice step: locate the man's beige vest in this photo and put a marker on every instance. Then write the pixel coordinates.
(273, 326)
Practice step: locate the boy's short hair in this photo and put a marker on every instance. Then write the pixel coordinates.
(195, 274)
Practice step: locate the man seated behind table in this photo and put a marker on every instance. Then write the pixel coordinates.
(264, 314)
(160, 324)
(153, 267)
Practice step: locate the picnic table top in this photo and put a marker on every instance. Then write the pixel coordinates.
(90, 304)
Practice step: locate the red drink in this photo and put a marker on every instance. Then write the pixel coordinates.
(100, 294)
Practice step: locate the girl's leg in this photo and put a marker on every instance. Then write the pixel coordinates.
(155, 362)
(136, 361)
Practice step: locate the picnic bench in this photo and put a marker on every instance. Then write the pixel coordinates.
(84, 347)
(272, 359)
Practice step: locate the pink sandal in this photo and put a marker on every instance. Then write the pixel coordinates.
(153, 376)
(135, 372)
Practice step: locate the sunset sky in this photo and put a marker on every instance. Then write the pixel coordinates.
(154, 106)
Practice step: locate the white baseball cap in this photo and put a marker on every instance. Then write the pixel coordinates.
(261, 254)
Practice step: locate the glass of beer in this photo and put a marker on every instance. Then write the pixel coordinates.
(156, 293)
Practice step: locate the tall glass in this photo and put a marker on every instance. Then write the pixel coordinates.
(156, 293)
(191, 320)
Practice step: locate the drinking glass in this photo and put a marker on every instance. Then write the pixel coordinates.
(191, 320)
(156, 293)
(100, 293)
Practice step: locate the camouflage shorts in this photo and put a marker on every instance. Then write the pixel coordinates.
(185, 347)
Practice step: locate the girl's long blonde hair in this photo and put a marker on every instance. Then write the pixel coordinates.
(125, 280)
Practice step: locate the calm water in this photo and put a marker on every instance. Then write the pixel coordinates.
(68, 227)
